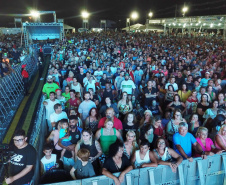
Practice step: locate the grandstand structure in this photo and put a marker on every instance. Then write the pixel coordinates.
(196, 23)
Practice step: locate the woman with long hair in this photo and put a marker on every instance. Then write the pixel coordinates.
(166, 155)
(221, 100)
(77, 86)
(177, 104)
(173, 125)
(124, 105)
(92, 120)
(129, 124)
(88, 142)
(203, 106)
(184, 93)
(220, 138)
(191, 103)
(211, 112)
(194, 124)
(130, 144)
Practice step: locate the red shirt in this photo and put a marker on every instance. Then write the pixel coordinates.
(117, 123)
(74, 103)
(158, 131)
(25, 74)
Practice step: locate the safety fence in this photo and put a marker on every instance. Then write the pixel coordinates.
(11, 90)
(210, 171)
(37, 137)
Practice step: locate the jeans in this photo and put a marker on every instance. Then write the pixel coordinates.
(68, 163)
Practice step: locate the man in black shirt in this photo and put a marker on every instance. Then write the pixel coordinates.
(75, 133)
(180, 79)
(189, 83)
(150, 94)
(22, 162)
(81, 76)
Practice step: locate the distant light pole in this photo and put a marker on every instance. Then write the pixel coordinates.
(184, 10)
(150, 15)
(85, 16)
(35, 14)
(134, 16)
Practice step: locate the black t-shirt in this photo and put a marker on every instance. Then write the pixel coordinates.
(147, 101)
(190, 86)
(19, 161)
(107, 94)
(180, 81)
(155, 110)
(110, 165)
(126, 128)
(80, 78)
(103, 82)
(75, 136)
(204, 108)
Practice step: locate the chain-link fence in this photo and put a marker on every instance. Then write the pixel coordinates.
(11, 91)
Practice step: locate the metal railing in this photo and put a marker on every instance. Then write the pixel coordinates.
(11, 91)
(210, 171)
(38, 136)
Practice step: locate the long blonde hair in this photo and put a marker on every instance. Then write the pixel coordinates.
(222, 127)
(134, 144)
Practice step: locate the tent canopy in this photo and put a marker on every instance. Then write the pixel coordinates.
(67, 27)
(144, 27)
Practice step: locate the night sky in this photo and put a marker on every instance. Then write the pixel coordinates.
(115, 10)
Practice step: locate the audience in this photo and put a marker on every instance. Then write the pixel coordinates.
(126, 90)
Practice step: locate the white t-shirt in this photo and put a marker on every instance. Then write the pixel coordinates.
(50, 107)
(100, 73)
(49, 163)
(90, 85)
(85, 107)
(57, 117)
(127, 86)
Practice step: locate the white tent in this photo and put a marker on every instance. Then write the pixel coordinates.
(133, 27)
(142, 27)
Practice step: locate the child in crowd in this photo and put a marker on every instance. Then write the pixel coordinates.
(83, 167)
(66, 141)
(49, 160)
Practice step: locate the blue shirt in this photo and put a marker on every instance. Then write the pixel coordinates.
(204, 82)
(185, 142)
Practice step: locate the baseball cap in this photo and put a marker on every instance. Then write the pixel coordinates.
(23, 66)
(49, 77)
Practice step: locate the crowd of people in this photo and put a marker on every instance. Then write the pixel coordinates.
(118, 101)
(11, 53)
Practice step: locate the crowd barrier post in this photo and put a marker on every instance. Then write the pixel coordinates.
(224, 164)
(181, 174)
(201, 172)
(151, 176)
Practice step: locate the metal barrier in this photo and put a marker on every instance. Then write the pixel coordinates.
(11, 91)
(210, 171)
(37, 137)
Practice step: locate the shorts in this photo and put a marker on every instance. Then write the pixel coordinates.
(66, 143)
